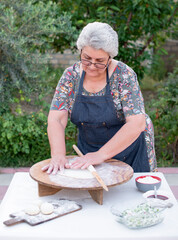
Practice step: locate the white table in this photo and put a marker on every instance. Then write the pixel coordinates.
(94, 221)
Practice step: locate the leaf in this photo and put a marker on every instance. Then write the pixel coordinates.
(163, 51)
(115, 8)
(9, 135)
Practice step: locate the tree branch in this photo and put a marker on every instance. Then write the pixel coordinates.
(171, 17)
(129, 19)
(140, 52)
(127, 24)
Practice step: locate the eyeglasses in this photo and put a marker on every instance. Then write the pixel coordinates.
(97, 65)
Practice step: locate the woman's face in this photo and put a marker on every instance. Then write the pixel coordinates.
(95, 56)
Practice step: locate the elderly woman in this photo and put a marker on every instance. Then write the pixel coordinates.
(103, 99)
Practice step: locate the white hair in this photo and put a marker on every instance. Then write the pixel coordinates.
(99, 36)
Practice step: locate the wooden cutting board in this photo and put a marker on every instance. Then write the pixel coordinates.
(113, 172)
(61, 208)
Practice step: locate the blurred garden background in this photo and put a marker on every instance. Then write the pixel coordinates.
(37, 41)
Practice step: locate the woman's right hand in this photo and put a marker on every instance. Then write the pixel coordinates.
(57, 121)
(57, 162)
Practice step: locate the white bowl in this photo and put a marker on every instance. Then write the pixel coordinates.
(144, 185)
(163, 199)
(161, 195)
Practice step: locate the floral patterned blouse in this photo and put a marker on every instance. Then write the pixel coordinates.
(126, 93)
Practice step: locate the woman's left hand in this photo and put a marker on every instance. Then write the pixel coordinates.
(85, 161)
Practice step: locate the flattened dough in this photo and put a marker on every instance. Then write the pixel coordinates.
(76, 173)
(32, 210)
(46, 208)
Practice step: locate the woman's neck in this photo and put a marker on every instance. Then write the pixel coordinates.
(96, 84)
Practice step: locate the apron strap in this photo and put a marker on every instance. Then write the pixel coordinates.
(108, 92)
(81, 83)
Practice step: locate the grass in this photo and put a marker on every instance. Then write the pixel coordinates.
(148, 83)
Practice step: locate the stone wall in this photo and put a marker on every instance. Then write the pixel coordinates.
(67, 58)
(64, 60)
(171, 46)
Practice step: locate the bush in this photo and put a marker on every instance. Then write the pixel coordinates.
(27, 32)
(71, 137)
(139, 24)
(164, 118)
(24, 141)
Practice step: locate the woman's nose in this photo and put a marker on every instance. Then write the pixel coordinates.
(92, 66)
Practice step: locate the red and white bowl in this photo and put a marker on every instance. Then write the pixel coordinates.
(147, 182)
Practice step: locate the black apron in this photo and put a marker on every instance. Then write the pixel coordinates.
(97, 121)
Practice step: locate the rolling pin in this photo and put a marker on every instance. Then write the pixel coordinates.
(92, 169)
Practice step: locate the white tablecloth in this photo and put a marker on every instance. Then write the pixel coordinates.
(94, 221)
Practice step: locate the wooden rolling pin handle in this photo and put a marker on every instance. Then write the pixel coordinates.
(95, 174)
(91, 169)
(77, 150)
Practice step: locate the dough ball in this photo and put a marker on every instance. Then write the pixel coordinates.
(32, 210)
(46, 208)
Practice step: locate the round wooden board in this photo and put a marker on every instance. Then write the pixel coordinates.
(120, 172)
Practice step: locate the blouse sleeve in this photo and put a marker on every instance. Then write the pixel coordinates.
(131, 96)
(64, 91)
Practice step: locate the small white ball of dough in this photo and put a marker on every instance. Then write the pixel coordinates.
(46, 208)
(32, 210)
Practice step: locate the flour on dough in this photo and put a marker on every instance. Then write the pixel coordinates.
(76, 173)
(46, 208)
(32, 210)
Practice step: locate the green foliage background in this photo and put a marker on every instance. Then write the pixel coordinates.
(24, 140)
(139, 24)
(31, 29)
(27, 32)
(163, 112)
